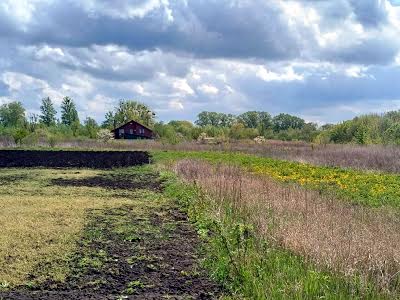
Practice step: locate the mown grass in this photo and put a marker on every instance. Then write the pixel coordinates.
(368, 188)
(41, 222)
(252, 267)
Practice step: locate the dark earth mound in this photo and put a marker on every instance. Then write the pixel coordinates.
(72, 159)
(115, 182)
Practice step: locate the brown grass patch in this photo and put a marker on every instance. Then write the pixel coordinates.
(331, 233)
(41, 223)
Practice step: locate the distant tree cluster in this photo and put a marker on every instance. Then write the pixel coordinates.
(256, 123)
(20, 128)
(45, 127)
(363, 130)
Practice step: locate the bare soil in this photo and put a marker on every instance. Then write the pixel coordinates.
(72, 159)
(115, 181)
(126, 254)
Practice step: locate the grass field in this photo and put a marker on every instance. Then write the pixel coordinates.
(369, 188)
(81, 233)
(266, 229)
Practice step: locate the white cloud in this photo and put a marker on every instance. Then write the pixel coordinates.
(125, 9)
(98, 105)
(22, 10)
(176, 104)
(21, 83)
(208, 89)
(288, 74)
(356, 71)
(5, 100)
(80, 85)
(49, 52)
(182, 86)
(397, 59)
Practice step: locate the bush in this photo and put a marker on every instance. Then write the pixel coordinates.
(19, 134)
(105, 135)
(52, 140)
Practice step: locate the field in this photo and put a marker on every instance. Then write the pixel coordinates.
(199, 225)
(361, 157)
(78, 159)
(80, 233)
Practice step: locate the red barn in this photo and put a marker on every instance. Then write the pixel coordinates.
(133, 130)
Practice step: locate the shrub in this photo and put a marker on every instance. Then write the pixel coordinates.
(19, 134)
(105, 135)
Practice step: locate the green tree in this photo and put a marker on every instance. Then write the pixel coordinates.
(250, 119)
(207, 118)
(33, 122)
(69, 114)
(239, 131)
(128, 110)
(286, 121)
(226, 120)
(109, 121)
(185, 128)
(12, 114)
(256, 119)
(91, 127)
(48, 112)
(19, 134)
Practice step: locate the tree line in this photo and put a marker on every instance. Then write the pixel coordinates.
(16, 125)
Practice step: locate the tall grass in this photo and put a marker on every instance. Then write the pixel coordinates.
(371, 157)
(358, 244)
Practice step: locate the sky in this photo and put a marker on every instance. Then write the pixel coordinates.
(323, 60)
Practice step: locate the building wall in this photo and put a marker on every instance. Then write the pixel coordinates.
(133, 130)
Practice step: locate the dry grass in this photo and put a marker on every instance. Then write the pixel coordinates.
(40, 223)
(342, 237)
(371, 157)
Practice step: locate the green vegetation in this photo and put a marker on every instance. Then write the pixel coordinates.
(367, 129)
(367, 188)
(83, 226)
(254, 268)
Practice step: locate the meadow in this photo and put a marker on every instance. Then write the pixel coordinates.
(215, 224)
(374, 189)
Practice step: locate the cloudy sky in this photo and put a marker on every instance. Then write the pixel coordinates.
(325, 60)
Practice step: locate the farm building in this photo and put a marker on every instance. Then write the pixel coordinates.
(132, 130)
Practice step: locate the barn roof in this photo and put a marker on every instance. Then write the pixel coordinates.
(132, 121)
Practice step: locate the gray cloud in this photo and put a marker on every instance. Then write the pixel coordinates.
(370, 12)
(181, 56)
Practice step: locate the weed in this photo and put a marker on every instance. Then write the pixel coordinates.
(248, 263)
(4, 285)
(366, 188)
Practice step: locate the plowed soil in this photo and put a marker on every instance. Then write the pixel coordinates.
(136, 251)
(72, 159)
(116, 182)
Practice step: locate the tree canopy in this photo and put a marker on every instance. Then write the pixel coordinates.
(128, 110)
(12, 114)
(69, 114)
(48, 112)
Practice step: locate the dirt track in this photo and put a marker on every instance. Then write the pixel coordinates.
(72, 159)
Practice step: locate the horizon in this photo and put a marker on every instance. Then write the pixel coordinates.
(323, 61)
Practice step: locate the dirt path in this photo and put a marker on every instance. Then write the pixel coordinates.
(138, 251)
